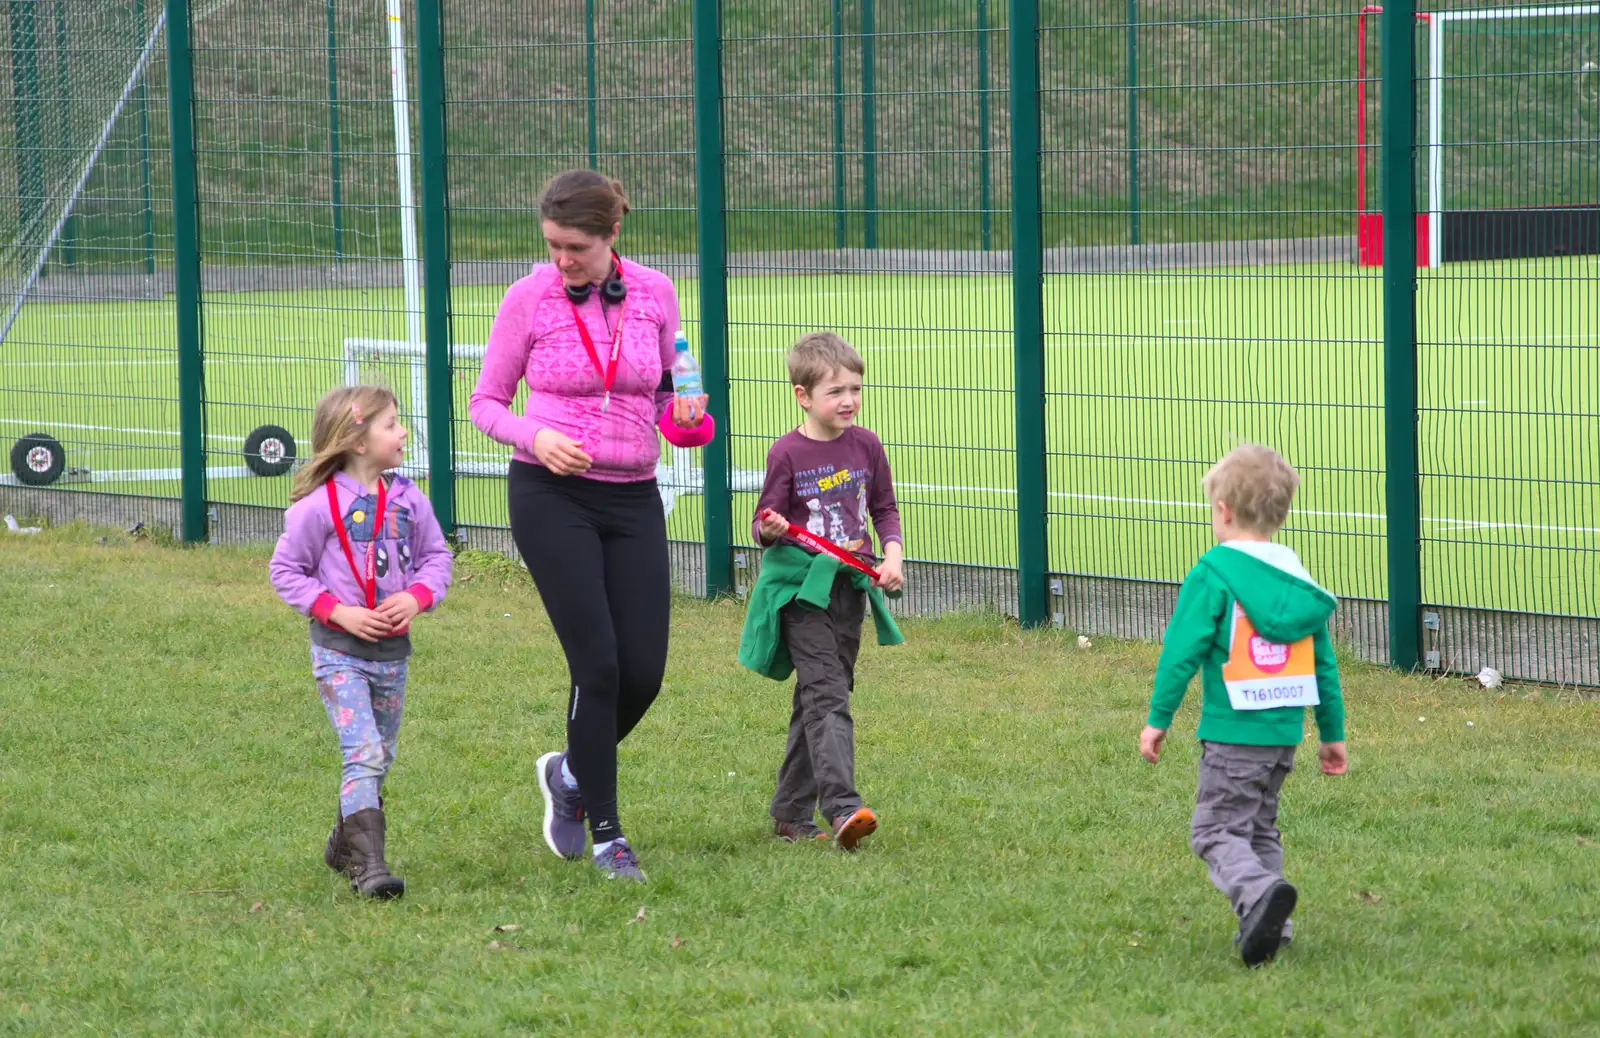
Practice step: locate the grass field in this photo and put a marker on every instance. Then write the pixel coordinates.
(166, 774)
(1150, 378)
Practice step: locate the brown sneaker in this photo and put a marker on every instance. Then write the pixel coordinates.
(798, 832)
(849, 830)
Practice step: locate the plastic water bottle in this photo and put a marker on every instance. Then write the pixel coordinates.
(685, 369)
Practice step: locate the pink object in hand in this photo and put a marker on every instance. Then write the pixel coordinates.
(678, 436)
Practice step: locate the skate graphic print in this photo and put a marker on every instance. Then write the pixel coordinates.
(836, 505)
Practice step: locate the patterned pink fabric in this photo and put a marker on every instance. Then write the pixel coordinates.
(534, 340)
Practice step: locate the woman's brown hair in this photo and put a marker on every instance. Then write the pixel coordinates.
(584, 201)
(340, 423)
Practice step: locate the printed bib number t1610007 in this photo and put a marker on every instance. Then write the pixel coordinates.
(1263, 675)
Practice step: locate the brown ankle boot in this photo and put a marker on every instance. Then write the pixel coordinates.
(369, 875)
(337, 853)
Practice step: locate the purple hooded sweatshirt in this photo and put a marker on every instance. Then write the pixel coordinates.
(309, 569)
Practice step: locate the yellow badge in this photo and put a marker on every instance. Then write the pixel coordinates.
(358, 516)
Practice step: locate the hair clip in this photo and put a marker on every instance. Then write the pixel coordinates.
(355, 409)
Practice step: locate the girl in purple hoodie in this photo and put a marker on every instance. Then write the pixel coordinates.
(361, 555)
(591, 334)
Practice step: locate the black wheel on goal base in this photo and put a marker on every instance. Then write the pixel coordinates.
(269, 451)
(38, 459)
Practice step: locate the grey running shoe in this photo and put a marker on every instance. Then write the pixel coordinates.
(563, 809)
(619, 862)
(799, 832)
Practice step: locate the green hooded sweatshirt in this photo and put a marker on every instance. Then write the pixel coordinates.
(1285, 605)
(792, 574)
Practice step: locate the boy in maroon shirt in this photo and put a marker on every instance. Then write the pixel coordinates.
(829, 476)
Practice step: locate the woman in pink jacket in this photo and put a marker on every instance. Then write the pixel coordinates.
(592, 336)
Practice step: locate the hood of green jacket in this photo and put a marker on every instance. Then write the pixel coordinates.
(1282, 606)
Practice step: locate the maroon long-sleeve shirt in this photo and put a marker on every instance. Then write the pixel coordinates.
(832, 488)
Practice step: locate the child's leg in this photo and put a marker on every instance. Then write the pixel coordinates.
(388, 682)
(796, 797)
(1265, 839)
(1233, 784)
(822, 644)
(345, 686)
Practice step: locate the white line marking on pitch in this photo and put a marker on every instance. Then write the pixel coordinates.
(1112, 499)
(43, 425)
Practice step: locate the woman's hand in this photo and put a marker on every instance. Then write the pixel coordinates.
(366, 624)
(688, 410)
(560, 453)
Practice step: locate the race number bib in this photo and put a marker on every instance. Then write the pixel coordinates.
(1263, 675)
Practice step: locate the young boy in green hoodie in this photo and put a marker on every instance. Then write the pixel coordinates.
(1251, 620)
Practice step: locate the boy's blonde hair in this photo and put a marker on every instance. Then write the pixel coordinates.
(341, 422)
(816, 356)
(1257, 483)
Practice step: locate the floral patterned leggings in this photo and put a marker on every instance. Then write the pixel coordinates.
(364, 700)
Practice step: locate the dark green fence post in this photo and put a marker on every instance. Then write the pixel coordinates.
(436, 266)
(144, 152)
(186, 273)
(869, 127)
(1133, 122)
(838, 125)
(713, 256)
(25, 109)
(1027, 292)
(1399, 185)
(985, 192)
(336, 185)
(64, 93)
(594, 126)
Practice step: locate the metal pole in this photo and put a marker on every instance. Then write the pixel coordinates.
(985, 192)
(436, 263)
(1027, 292)
(594, 126)
(186, 273)
(1133, 122)
(25, 108)
(1435, 130)
(838, 125)
(869, 128)
(337, 186)
(713, 256)
(1397, 168)
(144, 159)
(64, 92)
(410, 264)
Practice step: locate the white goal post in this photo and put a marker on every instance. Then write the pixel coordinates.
(1439, 25)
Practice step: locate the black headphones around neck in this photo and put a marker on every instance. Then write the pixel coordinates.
(612, 290)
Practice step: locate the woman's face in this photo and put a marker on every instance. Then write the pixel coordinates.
(582, 258)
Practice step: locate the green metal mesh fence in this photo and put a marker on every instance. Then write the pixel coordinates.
(87, 375)
(1202, 292)
(1207, 211)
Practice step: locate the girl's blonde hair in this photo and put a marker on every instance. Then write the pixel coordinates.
(340, 423)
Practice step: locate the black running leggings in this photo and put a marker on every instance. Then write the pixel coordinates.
(598, 555)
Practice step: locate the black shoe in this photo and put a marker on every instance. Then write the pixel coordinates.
(1261, 930)
(364, 834)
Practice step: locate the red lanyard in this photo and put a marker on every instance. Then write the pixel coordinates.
(608, 374)
(811, 540)
(368, 582)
